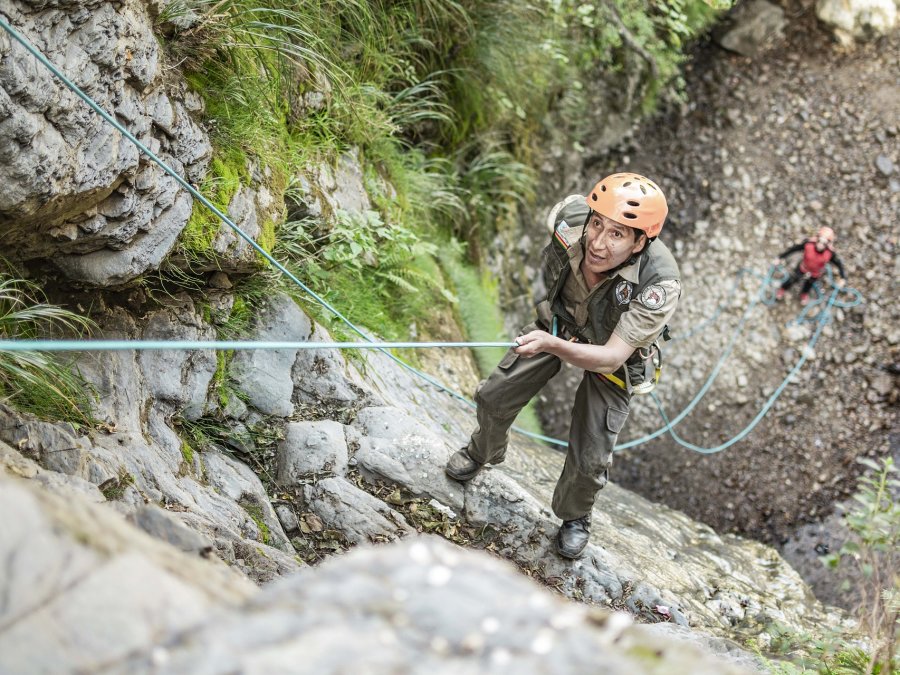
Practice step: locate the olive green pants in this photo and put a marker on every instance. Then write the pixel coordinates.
(598, 416)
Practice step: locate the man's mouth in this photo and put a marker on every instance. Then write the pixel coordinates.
(596, 259)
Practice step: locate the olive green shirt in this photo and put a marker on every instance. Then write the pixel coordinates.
(640, 326)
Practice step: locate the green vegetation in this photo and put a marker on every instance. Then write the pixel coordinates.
(35, 382)
(222, 182)
(187, 453)
(114, 488)
(479, 309)
(874, 553)
(446, 105)
(255, 512)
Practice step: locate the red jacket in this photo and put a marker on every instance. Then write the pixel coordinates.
(814, 261)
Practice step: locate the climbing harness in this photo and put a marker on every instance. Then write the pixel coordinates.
(764, 296)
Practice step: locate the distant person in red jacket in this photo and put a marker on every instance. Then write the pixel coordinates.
(817, 252)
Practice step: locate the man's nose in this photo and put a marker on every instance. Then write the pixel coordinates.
(602, 241)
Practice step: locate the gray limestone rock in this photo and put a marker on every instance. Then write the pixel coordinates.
(756, 27)
(75, 191)
(55, 447)
(69, 486)
(265, 375)
(261, 563)
(858, 19)
(239, 483)
(357, 515)
(330, 189)
(423, 606)
(288, 518)
(82, 588)
(160, 524)
(398, 448)
(322, 375)
(311, 448)
(180, 378)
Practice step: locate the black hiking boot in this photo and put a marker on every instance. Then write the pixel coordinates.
(573, 536)
(461, 467)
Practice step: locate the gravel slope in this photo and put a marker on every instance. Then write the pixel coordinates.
(764, 152)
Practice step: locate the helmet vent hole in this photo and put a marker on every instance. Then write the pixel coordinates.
(630, 216)
(602, 188)
(594, 196)
(626, 183)
(633, 203)
(643, 190)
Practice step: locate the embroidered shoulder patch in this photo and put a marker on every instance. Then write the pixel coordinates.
(653, 297)
(623, 293)
(560, 234)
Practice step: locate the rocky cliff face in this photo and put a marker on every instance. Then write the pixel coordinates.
(311, 455)
(360, 461)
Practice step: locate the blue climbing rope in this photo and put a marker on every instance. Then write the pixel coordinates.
(220, 345)
(224, 218)
(766, 296)
(823, 316)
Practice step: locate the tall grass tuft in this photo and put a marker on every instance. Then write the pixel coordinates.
(34, 382)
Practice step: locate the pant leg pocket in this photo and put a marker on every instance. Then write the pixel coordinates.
(508, 360)
(615, 419)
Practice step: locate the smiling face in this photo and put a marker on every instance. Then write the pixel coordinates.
(607, 244)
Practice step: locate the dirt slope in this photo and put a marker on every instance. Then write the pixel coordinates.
(763, 153)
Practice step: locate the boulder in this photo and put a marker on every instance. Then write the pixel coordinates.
(311, 448)
(83, 589)
(265, 375)
(423, 606)
(322, 375)
(754, 27)
(853, 20)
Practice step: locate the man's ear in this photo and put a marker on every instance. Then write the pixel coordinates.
(640, 241)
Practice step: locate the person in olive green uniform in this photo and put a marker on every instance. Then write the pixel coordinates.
(612, 289)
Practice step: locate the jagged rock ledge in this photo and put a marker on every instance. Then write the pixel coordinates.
(361, 460)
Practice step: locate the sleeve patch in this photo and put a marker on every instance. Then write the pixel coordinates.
(560, 234)
(653, 297)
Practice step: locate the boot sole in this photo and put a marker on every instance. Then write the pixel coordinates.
(570, 556)
(462, 477)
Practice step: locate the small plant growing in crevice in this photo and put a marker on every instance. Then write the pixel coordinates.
(114, 488)
(43, 384)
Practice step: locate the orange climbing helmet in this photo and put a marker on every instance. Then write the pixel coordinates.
(827, 234)
(632, 200)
